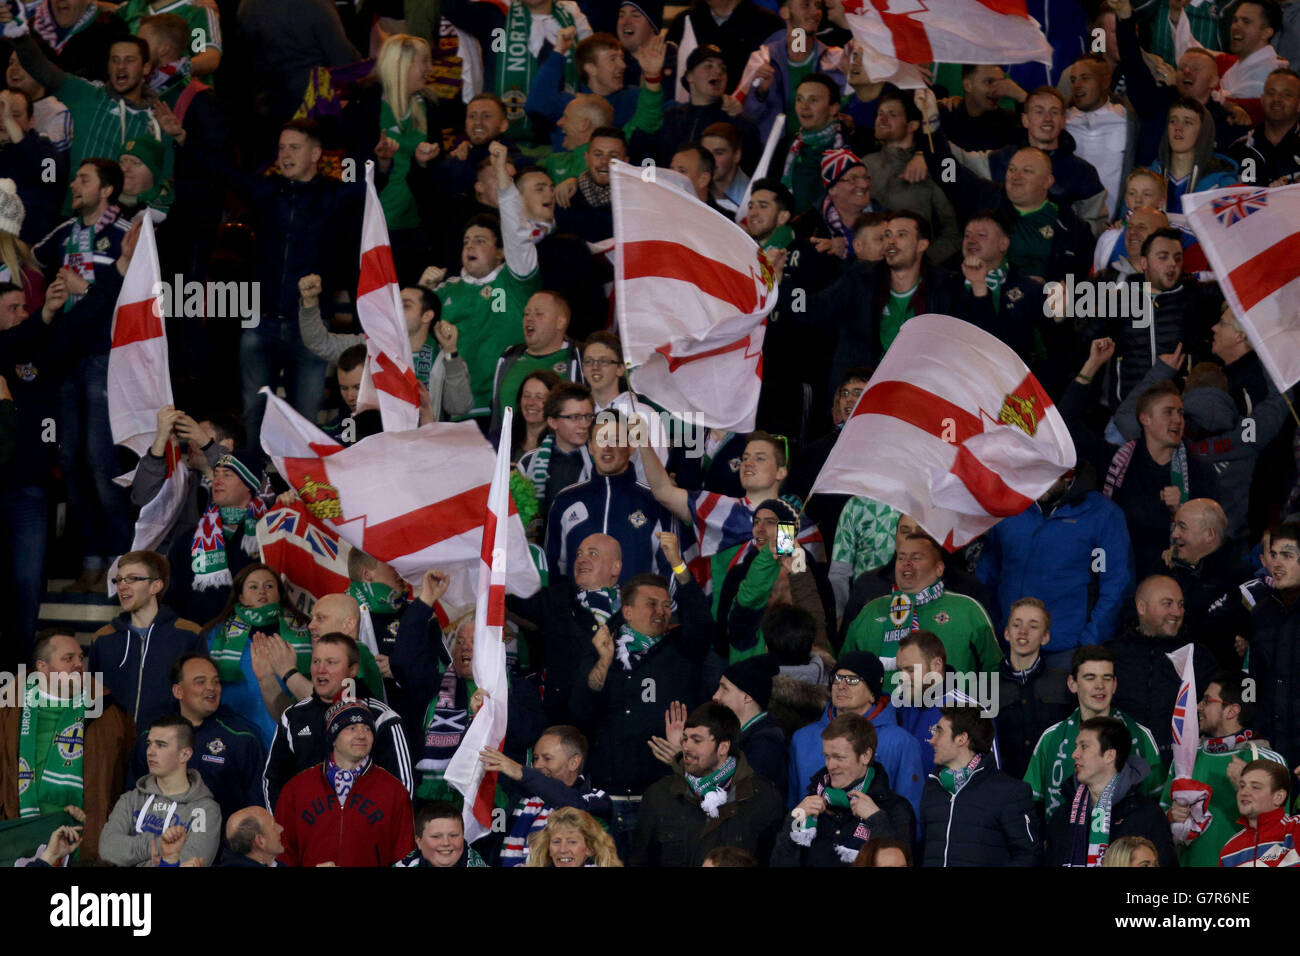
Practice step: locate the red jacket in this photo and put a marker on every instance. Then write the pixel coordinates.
(374, 829)
(1272, 843)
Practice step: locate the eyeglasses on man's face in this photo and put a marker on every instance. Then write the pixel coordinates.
(598, 362)
(577, 417)
(853, 680)
(129, 579)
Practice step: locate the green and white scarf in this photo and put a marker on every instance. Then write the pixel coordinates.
(61, 779)
(226, 648)
(633, 645)
(994, 279)
(516, 65)
(902, 614)
(601, 603)
(208, 548)
(1090, 832)
(712, 787)
(954, 780)
(376, 597)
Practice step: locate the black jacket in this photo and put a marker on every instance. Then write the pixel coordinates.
(1146, 683)
(86, 53)
(1275, 664)
(895, 818)
(1215, 614)
(672, 830)
(764, 745)
(300, 743)
(991, 821)
(558, 643)
(1132, 814)
(622, 716)
(1027, 705)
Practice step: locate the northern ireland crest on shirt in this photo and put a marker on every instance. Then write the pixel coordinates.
(1015, 295)
(1047, 232)
(636, 519)
(102, 245)
(943, 617)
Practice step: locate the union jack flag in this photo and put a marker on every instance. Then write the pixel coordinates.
(1180, 712)
(310, 557)
(1233, 209)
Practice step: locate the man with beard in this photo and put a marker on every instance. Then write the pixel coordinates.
(587, 213)
(716, 800)
(1275, 623)
(1273, 146)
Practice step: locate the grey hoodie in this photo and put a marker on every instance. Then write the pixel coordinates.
(142, 814)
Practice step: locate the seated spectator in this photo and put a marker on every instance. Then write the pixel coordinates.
(346, 810)
(552, 783)
(440, 839)
(254, 838)
(973, 814)
(1268, 837)
(169, 795)
(135, 652)
(97, 762)
(849, 802)
(714, 799)
(572, 838)
(1131, 851)
(229, 757)
(1107, 800)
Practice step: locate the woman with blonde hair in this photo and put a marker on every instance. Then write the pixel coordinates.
(17, 264)
(572, 838)
(1131, 851)
(388, 120)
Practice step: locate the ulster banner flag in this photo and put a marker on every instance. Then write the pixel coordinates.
(692, 291)
(488, 729)
(949, 31)
(952, 430)
(388, 382)
(1251, 238)
(309, 556)
(414, 499)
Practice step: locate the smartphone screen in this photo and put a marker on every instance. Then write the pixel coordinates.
(785, 538)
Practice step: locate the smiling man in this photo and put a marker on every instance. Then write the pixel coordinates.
(300, 739)
(1269, 834)
(228, 754)
(1092, 681)
(440, 839)
(554, 780)
(546, 346)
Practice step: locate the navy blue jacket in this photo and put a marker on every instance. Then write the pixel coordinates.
(764, 746)
(138, 672)
(228, 754)
(616, 505)
(991, 821)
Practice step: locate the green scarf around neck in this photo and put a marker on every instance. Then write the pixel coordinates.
(516, 67)
(51, 780)
(953, 780)
(226, 646)
(632, 645)
(378, 598)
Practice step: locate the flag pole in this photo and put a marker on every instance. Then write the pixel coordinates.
(1290, 406)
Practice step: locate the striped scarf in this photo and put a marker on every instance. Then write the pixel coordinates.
(529, 817)
(162, 75)
(1178, 474)
(712, 787)
(828, 137)
(600, 602)
(342, 780)
(44, 26)
(804, 829)
(226, 647)
(903, 609)
(1090, 832)
(539, 465)
(633, 645)
(953, 780)
(208, 549)
(445, 721)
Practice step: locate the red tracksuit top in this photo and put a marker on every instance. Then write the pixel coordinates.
(1273, 843)
(376, 827)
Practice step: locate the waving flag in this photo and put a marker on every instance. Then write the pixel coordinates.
(488, 729)
(894, 32)
(414, 499)
(764, 163)
(139, 384)
(952, 430)
(311, 558)
(685, 47)
(1184, 790)
(692, 292)
(1251, 238)
(388, 381)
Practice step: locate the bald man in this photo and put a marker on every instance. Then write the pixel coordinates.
(341, 614)
(300, 740)
(566, 613)
(1208, 572)
(1146, 682)
(253, 837)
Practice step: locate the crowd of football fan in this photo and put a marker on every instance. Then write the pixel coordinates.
(718, 669)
